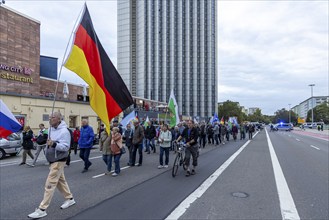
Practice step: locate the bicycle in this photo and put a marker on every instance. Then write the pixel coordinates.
(180, 158)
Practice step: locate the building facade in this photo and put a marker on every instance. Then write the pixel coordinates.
(166, 45)
(302, 109)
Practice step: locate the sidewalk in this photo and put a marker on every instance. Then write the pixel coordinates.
(314, 131)
(324, 135)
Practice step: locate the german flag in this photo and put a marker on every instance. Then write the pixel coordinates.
(108, 93)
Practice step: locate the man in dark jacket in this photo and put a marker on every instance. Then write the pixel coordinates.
(41, 143)
(150, 134)
(85, 143)
(128, 137)
(202, 133)
(190, 135)
(137, 142)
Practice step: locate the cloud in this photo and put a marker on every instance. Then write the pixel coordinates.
(269, 51)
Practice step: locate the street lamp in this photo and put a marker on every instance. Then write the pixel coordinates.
(289, 113)
(311, 85)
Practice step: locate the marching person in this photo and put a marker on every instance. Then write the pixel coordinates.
(56, 153)
(128, 137)
(76, 136)
(85, 143)
(190, 134)
(116, 146)
(137, 143)
(41, 143)
(27, 144)
(165, 142)
(105, 148)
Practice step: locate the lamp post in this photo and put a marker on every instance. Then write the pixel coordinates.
(289, 113)
(311, 85)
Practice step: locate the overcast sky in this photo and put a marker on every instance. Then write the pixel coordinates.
(268, 51)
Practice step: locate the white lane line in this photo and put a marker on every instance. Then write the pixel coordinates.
(297, 139)
(287, 204)
(315, 147)
(103, 174)
(184, 205)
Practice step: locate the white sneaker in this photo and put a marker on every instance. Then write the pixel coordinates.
(38, 213)
(68, 203)
(114, 174)
(160, 167)
(165, 166)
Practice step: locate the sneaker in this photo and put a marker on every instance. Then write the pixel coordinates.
(114, 174)
(193, 172)
(160, 167)
(165, 166)
(31, 165)
(38, 213)
(68, 203)
(21, 164)
(107, 173)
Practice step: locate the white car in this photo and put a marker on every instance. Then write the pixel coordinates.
(10, 145)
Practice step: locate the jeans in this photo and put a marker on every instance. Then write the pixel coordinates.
(216, 139)
(202, 140)
(242, 135)
(210, 139)
(39, 149)
(134, 151)
(250, 135)
(148, 143)
(108, 161)
(166, 151)
(84, 155)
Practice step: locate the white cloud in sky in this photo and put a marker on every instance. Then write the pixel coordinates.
(268, 51)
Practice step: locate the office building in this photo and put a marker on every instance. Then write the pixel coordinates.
(165, 45)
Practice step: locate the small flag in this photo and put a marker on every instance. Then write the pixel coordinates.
(8, 122)
(146, 122)
(108, 93)
(222, 120)
(173, 110)
(214, 119)
(131, 116)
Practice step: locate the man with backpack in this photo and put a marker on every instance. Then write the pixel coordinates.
(41, 143)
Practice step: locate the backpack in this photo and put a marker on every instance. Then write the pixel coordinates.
(42, 139)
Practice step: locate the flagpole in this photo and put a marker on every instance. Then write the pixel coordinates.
(60, 70)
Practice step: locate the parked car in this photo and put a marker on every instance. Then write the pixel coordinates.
(10, 145)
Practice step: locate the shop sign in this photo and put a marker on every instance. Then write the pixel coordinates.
(26, 71)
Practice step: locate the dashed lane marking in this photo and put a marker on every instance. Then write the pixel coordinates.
(315, 147)
(103, 174)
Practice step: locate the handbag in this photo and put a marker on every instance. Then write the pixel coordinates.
(115, 149)
(123, 150)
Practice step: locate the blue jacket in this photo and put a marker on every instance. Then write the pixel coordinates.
(86, 137)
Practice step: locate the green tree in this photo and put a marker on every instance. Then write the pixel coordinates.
(256, 117)
(320, 112)
(231, 109)
(283, 116)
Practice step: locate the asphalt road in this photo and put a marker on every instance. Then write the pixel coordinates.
(149, 193)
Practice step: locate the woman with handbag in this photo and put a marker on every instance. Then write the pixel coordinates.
(116, 150)
(105, 148)
(27, 144)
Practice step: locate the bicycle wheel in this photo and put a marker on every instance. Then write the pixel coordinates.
(175, 166)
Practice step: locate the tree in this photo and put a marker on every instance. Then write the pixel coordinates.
(283, 116)
(231, 109)
(256, 117)
(320, 112)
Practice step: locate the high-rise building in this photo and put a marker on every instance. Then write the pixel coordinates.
(165, 45)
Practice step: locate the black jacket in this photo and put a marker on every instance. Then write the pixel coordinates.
(27, 140)
(189, 135)
(150, 132)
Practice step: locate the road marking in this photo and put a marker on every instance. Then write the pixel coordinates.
(103, 174)
(184, 205)
(287, 204)
(297, 139)
(315, 147)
